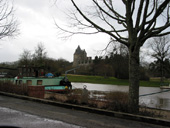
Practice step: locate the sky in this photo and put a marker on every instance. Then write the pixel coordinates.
(36, 24)
(36, 19)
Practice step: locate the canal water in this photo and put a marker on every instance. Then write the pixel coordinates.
(153, 97)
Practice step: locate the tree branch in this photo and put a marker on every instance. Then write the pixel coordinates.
(8, 25)
(139, 14)
(100, 29)
(157, 14)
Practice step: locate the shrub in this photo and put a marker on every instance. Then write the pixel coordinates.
(8, 86)
(75, 96)
(118, 101)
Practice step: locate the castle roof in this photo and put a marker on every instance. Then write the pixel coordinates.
(79, 51)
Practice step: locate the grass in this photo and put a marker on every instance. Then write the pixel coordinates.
(110, 80)
(97, 79)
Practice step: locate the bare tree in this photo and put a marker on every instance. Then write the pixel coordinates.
(136, 22)
(39, 55)
(25, 58)
(117, 48)
(8, 24)
(161, 51)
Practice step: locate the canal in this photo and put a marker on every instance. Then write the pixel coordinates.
(153, 97)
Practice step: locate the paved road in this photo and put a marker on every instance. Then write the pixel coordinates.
(13, 118)
(32, 114)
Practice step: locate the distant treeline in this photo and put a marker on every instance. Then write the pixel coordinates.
(114, 64)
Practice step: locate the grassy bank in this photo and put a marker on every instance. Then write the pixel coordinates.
(110, 80)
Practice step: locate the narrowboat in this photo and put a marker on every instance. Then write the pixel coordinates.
(35, 76)
(53, 84)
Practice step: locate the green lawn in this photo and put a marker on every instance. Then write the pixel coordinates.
(109, 80)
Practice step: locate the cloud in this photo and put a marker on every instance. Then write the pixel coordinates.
(37, 25)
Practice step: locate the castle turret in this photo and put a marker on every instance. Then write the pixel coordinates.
(77, 57)
(80, 57)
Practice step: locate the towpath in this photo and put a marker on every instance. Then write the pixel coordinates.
(68, 117)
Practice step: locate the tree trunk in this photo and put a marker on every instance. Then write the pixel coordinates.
(162, 70)
(134, 75)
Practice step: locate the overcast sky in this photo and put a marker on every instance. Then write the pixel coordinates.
(36, 24)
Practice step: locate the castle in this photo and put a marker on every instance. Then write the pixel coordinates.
(80, 58)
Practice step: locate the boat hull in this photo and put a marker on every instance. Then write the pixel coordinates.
(54, 84)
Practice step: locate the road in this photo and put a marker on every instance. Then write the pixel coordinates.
(13, 118)
(26, 114)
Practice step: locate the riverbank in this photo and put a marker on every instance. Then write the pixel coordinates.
(110, 80)
(54, 109)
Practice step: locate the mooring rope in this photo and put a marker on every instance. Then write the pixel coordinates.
(154, 93)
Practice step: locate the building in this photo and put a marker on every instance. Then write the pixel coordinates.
(29, 71)
(80, 58)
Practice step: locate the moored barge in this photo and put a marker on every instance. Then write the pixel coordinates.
(33, 76)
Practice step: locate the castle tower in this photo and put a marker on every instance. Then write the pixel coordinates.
(79, 57)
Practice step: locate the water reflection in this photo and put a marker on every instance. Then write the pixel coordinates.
(158, 100)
